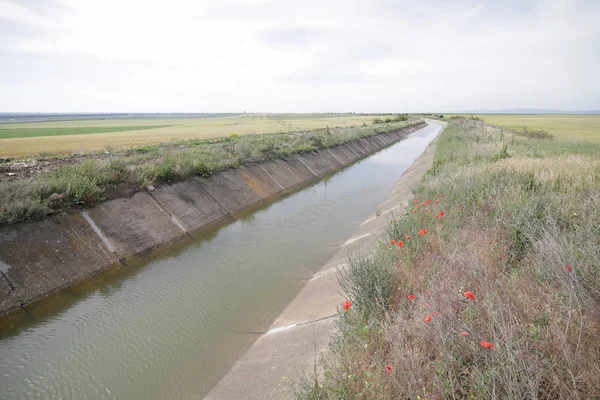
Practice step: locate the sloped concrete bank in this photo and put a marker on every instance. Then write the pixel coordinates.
(40, 258)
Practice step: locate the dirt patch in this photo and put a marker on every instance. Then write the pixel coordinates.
(120, 190)
(23, 169)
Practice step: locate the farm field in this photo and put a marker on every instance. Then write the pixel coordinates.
(80, 136)
(573, 127)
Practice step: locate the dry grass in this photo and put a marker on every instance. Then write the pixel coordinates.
(510, 228)
(200, 128)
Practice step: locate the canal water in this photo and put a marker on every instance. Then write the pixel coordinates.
(172, 324)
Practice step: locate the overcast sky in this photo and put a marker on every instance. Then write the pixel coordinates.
(298, 56)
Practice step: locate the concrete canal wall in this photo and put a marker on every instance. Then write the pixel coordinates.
(40, 258)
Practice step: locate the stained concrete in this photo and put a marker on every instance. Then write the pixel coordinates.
(48, 255)
(230, 190)
(302, 331)
(134, 225)
(190, 204)
(260, 181)
(39, 258)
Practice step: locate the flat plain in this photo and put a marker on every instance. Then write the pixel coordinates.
(572, 127)
(80, 136)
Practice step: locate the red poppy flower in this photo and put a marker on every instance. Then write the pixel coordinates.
(417, 207)
(427, 210)
(347, 304)
(415, 201)
(407, 237)
(400, 243)
(487, 345)
(426, 304)
(437, 201)
(436, 217)
(435, 313)
(414, 210)
(465, 334)
(470, 295)
(427, 318)
(376, 298)
(412, 297)
(389, 368)
(441, 195)
(392, 242)
(428, 202)
(442, 213)
(423, 204)
(422, 232)
(569, 268)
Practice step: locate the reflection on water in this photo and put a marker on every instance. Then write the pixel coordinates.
(170, 324)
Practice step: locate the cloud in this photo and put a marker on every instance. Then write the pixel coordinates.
(230, 55)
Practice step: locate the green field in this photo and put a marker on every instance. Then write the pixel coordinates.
(81, 136)
(578, 127)
(34, 132)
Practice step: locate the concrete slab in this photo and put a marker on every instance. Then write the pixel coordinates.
(359, 145)
(230, 190)
(260, 181)
(134, 225)
(267, 371)
(289, 173)
(357, 149)
(190, 204)
(367, 145)
(379, 141)
(39, 257)
(321, 163)
(319, 299)
(374, 143)
(353, 150)
(341, 155)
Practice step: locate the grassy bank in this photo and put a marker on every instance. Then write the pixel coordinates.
(495, 292)
(83, 182)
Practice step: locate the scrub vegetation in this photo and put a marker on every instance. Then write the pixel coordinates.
(487, 287)
(82, 181)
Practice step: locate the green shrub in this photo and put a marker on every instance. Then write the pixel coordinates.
(367, 278)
